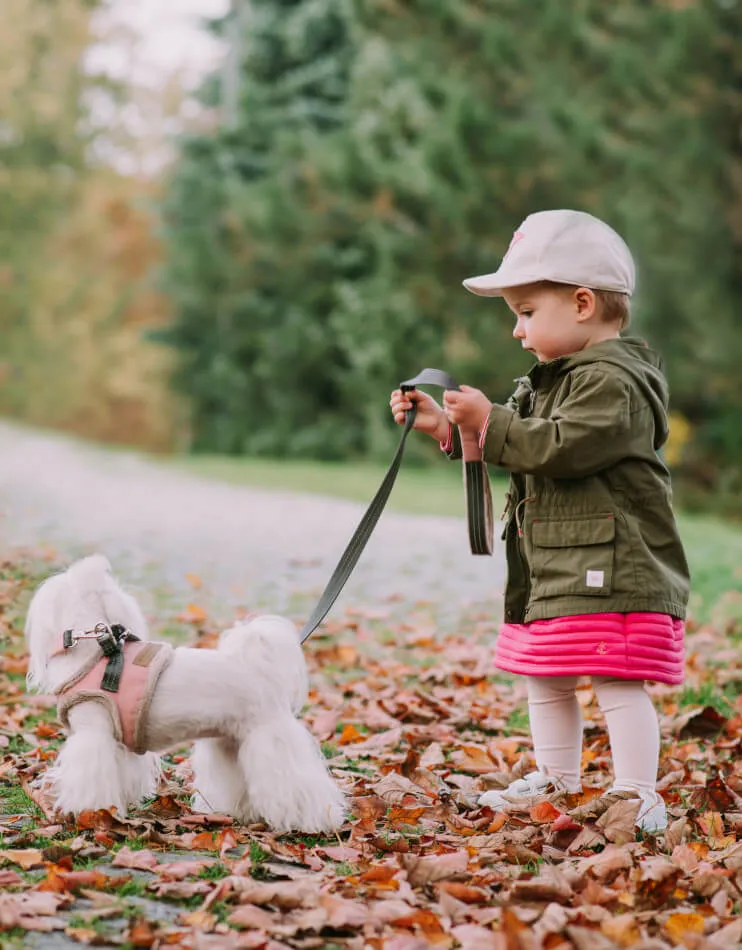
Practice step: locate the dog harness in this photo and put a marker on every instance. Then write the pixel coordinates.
(123, 681)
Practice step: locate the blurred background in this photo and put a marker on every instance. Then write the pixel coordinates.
(232, 226)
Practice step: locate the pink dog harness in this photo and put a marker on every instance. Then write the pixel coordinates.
(143, 664)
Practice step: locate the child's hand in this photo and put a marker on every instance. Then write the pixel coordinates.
(467, 407)
(430, 417)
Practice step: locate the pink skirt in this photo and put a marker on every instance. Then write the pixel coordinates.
(638, 646)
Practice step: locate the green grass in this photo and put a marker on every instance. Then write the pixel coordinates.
(14, 801)
(425, 491)
(714, 550)
(714, 547)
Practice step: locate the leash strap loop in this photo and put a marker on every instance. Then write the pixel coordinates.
(478, 496)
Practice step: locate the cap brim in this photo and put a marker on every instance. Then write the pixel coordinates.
(494, 285)
(487, 285)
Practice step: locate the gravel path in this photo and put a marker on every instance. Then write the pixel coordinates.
(250, 547)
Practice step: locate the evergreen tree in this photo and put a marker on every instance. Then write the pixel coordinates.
(318, 245)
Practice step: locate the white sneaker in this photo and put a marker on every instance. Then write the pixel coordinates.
(532, 786)
(651, 817)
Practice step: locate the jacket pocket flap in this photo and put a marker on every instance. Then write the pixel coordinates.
(577, 532)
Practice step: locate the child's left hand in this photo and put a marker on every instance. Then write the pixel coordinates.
(467, 407)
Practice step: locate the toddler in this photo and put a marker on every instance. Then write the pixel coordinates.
(597, 578)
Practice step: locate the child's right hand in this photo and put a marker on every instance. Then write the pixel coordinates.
(430, 416)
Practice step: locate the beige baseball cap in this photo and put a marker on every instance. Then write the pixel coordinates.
(567, 247)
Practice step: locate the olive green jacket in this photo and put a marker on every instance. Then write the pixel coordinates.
(589, 525)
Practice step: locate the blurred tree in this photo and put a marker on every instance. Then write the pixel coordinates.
(77, 245)
(41, 150)
(382, 152)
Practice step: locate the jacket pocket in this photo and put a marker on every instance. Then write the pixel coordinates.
(573, 556)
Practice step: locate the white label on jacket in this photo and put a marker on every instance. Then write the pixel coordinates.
(594, 578)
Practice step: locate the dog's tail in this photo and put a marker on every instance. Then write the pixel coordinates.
(270, 648)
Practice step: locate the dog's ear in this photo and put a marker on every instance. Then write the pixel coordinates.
(41, 630)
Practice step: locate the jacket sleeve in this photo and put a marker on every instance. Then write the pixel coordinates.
(589, 431)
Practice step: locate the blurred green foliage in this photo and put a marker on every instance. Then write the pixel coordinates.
(381, 152)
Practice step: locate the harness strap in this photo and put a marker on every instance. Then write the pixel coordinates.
(478, 500)
(109, 640)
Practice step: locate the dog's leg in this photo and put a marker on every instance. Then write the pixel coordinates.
(94, 771)
(217, 779)
(288, 784)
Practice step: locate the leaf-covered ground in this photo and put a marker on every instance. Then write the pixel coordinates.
(414, 725)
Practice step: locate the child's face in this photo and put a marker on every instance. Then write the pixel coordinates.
(550, 322)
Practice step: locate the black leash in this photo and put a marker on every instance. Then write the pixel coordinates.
(478, 506)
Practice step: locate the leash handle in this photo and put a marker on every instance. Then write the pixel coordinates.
(479, 506)
(479, 514)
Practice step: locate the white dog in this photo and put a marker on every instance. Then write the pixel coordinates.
(253, 758)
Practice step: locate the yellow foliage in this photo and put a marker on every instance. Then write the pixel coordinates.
(77, 251)
(86, 366)
(41, 45)
(681, 432)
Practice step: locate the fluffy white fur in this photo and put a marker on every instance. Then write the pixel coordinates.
(252, 757)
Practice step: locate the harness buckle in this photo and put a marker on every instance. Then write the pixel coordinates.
(107, 640)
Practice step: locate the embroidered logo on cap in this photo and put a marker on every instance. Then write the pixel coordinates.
(517, 236)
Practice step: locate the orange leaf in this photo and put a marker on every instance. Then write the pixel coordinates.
(192, 614)
(100, 820)
(404, 816)
(622, 929)
(465, 893)
(13, 664)
(46, 731)
(350, 734)
(203, 841)
(369, 807)
(379, 874)
(346, 654)
(677, 925)
(497, 822)
(543, 813)
(711, 824)
(25, 858)
(141, 934)
(471, 758)
(60, 881)
(426, 920)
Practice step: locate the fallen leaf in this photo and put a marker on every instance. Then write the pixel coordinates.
(623, 929)
(200, 920)
(143, 860)
(349, 735)
(470, 758)
(432, 868)
(618, 822)
(192, 614)
(677, 925)
(141, 933)
(25, 858)
(544, 813)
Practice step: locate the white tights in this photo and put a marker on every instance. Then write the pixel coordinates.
(556, 727)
